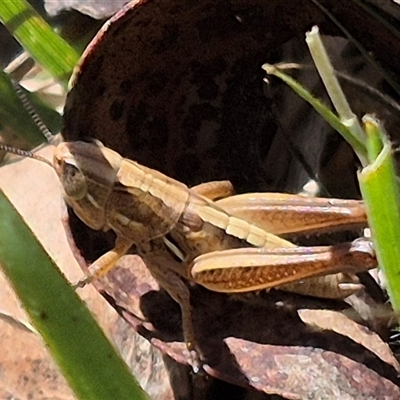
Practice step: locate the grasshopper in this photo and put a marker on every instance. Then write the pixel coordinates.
(206, 235)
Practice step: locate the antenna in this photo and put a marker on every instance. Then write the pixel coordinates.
(38, 121)
(31, 110)
(25, 153)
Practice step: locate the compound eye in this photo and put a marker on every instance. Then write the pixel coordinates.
(74, 182)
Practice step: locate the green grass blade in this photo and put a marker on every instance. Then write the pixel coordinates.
(331, 118)
(39, 39)
(380, 191)
(88, 361)
(375, 137)
(331, 83)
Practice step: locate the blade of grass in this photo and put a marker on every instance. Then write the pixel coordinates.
(380, 191)
(88, 361)
(331, 118)
(331, 83)
(39, 39)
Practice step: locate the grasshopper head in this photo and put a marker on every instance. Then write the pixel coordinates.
(87, 174)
